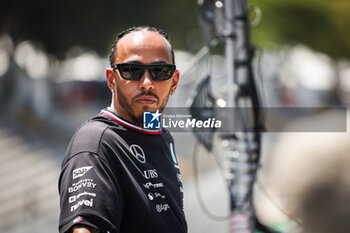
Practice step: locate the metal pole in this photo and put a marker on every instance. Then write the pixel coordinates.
(229, 51)
(242, 147)
(230, 25)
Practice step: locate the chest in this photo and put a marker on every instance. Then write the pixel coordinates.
(149, 174)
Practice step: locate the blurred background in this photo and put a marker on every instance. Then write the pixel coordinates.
(53, 56)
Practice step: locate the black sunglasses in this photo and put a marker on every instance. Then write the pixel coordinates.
(133, 71)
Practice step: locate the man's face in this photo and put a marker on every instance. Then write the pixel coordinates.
(132, 98)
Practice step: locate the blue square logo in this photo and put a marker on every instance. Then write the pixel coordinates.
(151, 120)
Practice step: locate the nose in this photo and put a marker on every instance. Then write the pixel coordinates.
(146, 82)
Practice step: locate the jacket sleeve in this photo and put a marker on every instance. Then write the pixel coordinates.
(89, 194)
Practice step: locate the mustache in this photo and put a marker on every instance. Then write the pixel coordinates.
(146, 93)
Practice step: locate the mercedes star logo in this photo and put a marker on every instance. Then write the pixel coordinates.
(138, 153)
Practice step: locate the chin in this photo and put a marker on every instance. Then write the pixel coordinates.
(150, 108)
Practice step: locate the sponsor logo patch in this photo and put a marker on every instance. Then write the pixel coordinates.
(155, 195)
(85, 183)
(162, 207)
(150, 174)
(75, 197)
(79, 172)
(150, 196)
(88, 203)
(138, 153)
(159, 195)
(149, 185)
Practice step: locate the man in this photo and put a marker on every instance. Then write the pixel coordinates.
(118, 176)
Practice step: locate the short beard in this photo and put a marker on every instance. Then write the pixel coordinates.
(138, 119)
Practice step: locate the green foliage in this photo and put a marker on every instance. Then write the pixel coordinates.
(321, 24)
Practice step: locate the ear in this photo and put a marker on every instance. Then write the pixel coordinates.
(175, 81)
(110, 79)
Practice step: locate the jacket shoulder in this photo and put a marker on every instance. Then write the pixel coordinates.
(87, 138)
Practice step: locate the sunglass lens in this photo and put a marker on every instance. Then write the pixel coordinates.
(161, 73)
(130, 72)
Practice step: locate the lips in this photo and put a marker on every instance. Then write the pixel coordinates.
(146, 99)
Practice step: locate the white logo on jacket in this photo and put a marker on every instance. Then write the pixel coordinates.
(138, 153)
(150, 174)
(80, 171)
